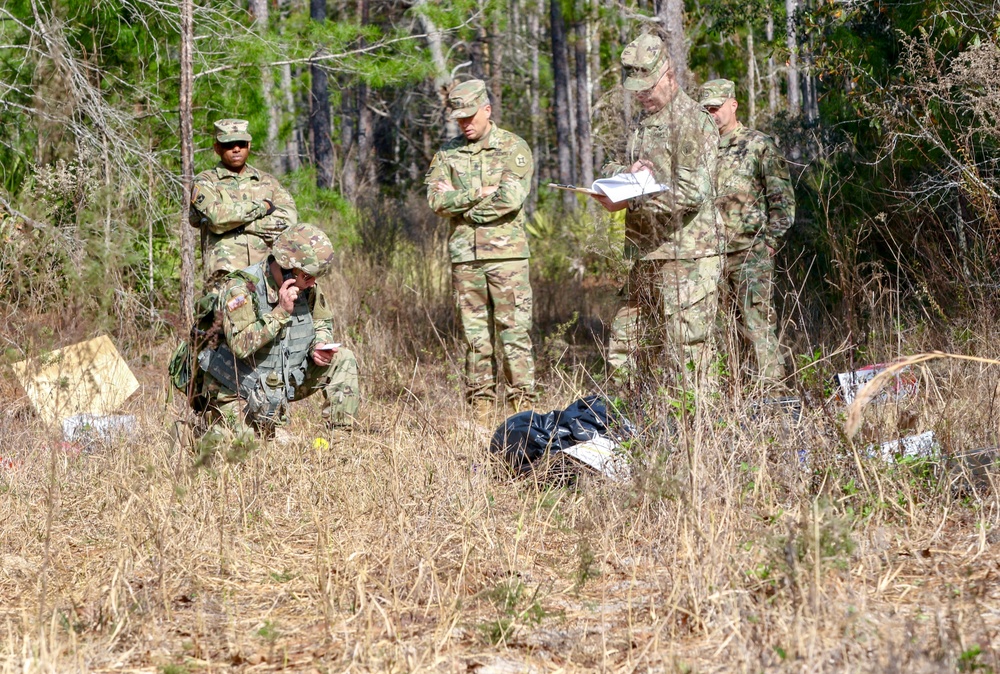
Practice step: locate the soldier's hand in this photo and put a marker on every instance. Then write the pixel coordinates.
(323, 357)
(287, 295)
(270, 207)
(610, 206)
(442, 186)
(487, 191)
(642, 165)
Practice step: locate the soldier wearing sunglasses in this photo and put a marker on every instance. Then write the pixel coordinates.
(239, 209)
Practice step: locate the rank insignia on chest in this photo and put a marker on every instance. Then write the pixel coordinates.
(521, 160)
(236, 302)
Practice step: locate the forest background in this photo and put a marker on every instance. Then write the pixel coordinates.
(752, 542)
(887, 112)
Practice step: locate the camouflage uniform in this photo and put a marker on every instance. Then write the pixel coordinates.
(256, 328)
(757, 204)
(675, 236)
(488, 247)
(230, 208)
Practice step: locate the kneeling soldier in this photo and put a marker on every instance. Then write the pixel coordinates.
(277, 346)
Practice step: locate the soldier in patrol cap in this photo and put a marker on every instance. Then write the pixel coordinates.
(757, 203)
(276, 341)
(674, 236)
(479, 181)
(239, 209)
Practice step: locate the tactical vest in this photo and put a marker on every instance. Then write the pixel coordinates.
(266, 379)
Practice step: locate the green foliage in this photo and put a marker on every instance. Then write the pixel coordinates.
(514, 607)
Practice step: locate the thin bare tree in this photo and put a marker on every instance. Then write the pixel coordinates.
(187, 163)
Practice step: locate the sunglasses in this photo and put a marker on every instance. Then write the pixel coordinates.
(236, 143)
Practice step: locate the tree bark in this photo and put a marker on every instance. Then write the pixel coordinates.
(751, 78)
(671, 15)
(260, 11)
(584, 145)
(792, 70)
(348, 142)
(187, 164)
(367, 165)
(319, 110)
(595, 72)
(534, 105)
(772, 69)
(292, 145)
(442, 76)
(494, 44)
(560, 75)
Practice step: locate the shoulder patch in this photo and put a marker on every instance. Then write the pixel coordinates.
(521, 160)
(236, 302)
(196, 196)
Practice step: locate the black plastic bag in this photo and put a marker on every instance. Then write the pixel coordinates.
(527, 437)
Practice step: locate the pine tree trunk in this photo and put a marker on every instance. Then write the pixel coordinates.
(260, 11)
(560, 76)
(495, 45)
(792, 70)
(348, 143)
(534, 106)
(442, 77)
(187, 163)
(751, 78)
(772, 69)
(367, 165)
(583, 141)
(292, 145)
(319, 112)
(595, 72)
(671, 14)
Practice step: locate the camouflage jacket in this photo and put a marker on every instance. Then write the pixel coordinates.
(230, 206)
(681, 140)
(248, 326)
(755, 195)
(492, 227)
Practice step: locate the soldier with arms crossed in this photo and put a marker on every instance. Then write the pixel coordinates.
(480, 181)
(757, 204)
(239, 209)
(277, 344)
(674, 236)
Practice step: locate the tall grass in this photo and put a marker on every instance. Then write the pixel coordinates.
(749, 539)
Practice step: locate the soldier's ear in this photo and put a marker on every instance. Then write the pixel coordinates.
(217, 147)
(489, 110)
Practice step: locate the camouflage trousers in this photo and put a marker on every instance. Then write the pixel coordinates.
(494, 302)
(338, 383)
(668, 319)
(748, 311)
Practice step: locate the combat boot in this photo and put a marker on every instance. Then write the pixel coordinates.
(484, 410)
(518, 403)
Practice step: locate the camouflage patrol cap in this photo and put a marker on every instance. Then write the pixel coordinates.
(304, 247)
(228, 130)
(466, 98)
(716, 92)
(644, 57)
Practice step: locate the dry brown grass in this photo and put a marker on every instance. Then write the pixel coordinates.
(400, 549)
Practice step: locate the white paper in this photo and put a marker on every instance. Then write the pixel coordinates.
(600, 455)
(628, 186)
(912, 446)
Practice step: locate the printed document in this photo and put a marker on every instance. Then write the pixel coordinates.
(620, 187)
